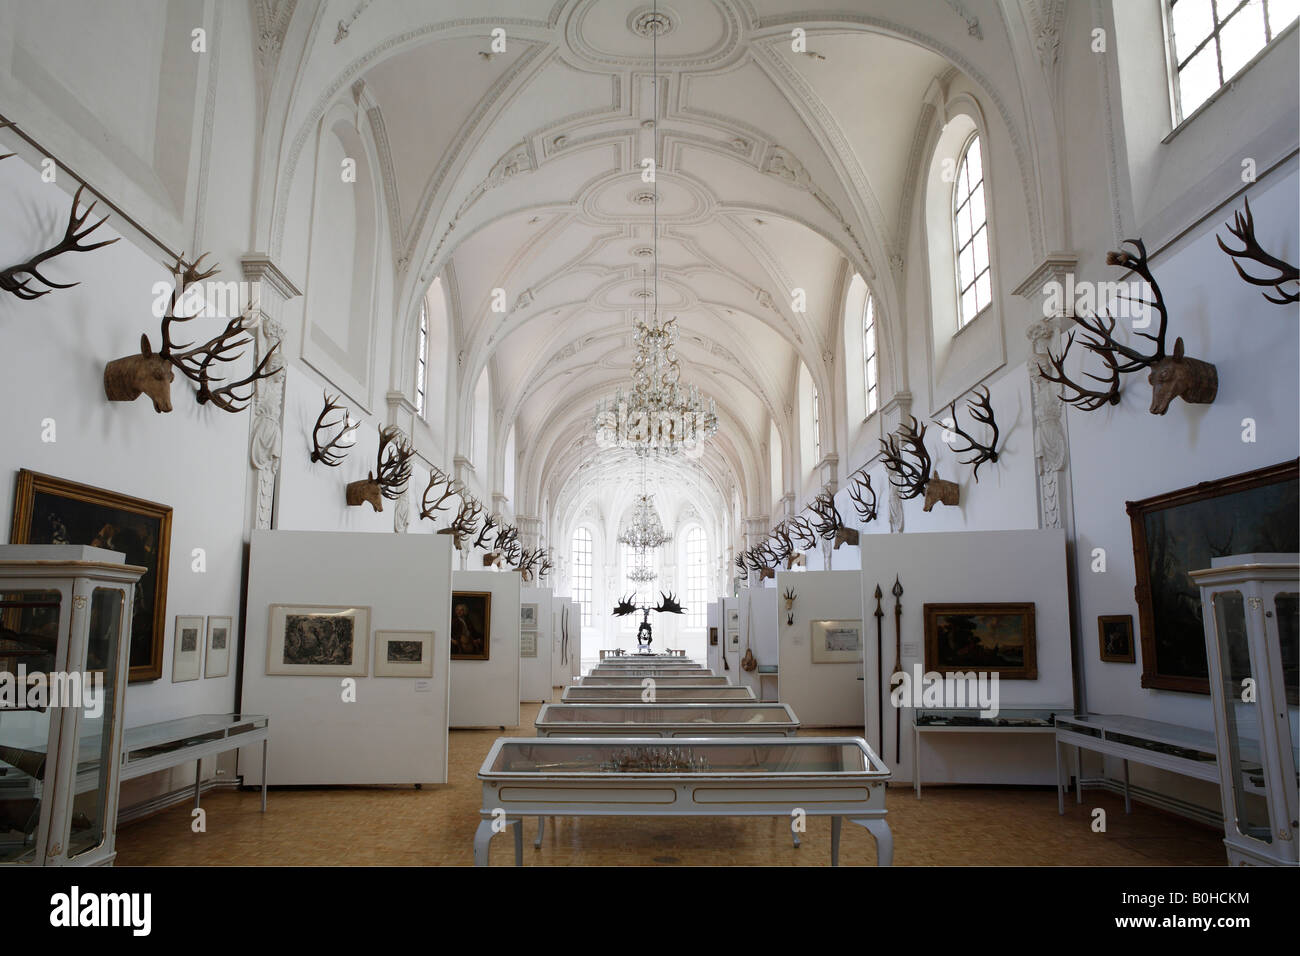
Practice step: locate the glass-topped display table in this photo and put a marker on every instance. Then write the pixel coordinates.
(693, 694)
(836, 777)
(665, 720)
(661, 680)
(959, 720)
(653, 670)
(153, 747)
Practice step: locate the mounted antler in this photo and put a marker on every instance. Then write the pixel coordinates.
(528, 561)
(392, 472)
(7, 125)
(668, 604)
(981, 409)
(910, 479)
(805, 538)
(126, 379)
(624, 607)
(784, 548)
(512, 553)
(490, 523)
(859, 486)
(1087, 399)
(1244, 230)
(465, 522)
(333, 451)
(547, 565)
(431, 505)
(73, 234)
(831, 526)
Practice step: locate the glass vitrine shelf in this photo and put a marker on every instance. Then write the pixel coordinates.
(558, 756)
(958, 717)
(169, 736)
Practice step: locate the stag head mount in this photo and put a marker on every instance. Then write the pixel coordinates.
(152, 373)
(391, 475)
(909, 476)
(1171, 375)
(981, 410)
(18, 280)
(440, 489)
(859, 490)
(829, 524)
(335, 448)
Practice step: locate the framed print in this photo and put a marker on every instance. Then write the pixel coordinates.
(49, 510)
(528, 644)
(733, 618)
(1182, 531)
(836, 642)
(995, 638)
(528, 617)
(713, 637)
(1115, 633)
(403, 653)
(218, 659)
(318, 641)
(471, 625)
(187, 649)
(733, 640)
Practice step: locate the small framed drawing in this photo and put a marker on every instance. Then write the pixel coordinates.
(217, 663)
(733, 618)
(998, 638)
(836, 642)
(403, 653)
(528, 617)
(733, 640)
(318, 641)
(1115, 633)
(528, 644)
(187, 649)
(713, 637)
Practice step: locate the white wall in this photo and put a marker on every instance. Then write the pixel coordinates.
(535, 672)
(757, 632)
(974, 567)
(712, 654)
(822, 695)
(396, 730)
(486, 693)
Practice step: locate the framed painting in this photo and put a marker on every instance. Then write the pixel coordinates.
(528, 617)
(403, 653)
(318, 641)
(49, 510)
(471, 625)
(528, 644)
(713, 637)
(1115, 633)
(218, 659)
(187, 650)
(1183, 531)
(836, 642)
(994, 638)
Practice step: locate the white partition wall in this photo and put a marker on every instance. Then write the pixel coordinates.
(757, 608)
(394, 731)
(560, 651)
(712, 621)
(574, 649)
(821, 694)
(535, 671)
(486, 693)
(976, 567)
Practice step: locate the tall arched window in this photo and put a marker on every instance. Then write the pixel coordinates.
(422, 359)
(697, 578)
(870, 360)
(581, 576)
(971, 234)
(816, 426)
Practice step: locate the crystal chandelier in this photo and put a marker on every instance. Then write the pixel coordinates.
(645, 531)
(660, 414)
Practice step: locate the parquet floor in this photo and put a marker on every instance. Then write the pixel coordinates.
(435, 826)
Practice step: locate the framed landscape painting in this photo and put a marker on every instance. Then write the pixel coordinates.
(1184, 530)
(836, 642)
(471, 625)
(49, 510)
(403, 653)
(994, 638)
(318, 641)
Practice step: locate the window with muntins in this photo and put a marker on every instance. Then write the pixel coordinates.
(971, 232)
(582, 573)
(697, 579)
(422, 360)
(870, 362)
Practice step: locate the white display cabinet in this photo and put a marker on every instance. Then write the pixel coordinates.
(65, 620)
(1249, 607)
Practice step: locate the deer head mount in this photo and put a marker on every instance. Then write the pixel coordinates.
(941, 492)
(335, 449)
(761, 561)
(668, 604)
(859, 489)
(17, 280)
(981, 409)
(783, 549)
(151, 373)
(440, 489)
(909, 477)
(829, 524)
(802, 533)
(465, 523)
(1284, 274)
(1171, 376)
(391, 474)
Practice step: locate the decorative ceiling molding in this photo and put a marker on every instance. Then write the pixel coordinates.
(972, 21)
(272, 23)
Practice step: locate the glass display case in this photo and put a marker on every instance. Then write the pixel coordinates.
(954, 717)
(65, 622)
(664, 720)
(1249, 605)
(661, 680)
(671, 695)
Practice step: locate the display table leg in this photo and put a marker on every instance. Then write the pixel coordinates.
(482, 842)
(1128, 804)
(880, 831)
(794, 833)
(264, 743)
(836, 823)
(916, 758)
(541, 828)
(198, 779)
(1078, 774)
(1060, 782)
(519, 842)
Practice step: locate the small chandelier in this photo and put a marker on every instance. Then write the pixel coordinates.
(645, 531)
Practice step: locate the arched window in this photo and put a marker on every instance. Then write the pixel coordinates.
(581, 577)
(697, 579)
(816, 426)
(422, 359)
(870, 360)
(971, 235)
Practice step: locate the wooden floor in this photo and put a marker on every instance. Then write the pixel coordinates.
(369, 826)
